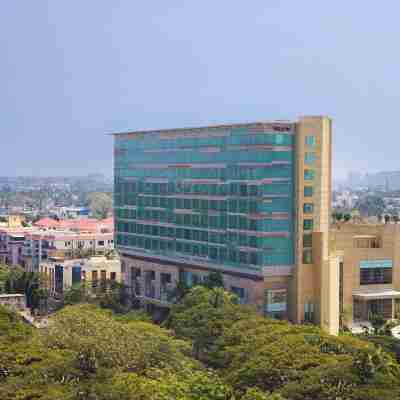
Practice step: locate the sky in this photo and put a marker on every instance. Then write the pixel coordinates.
(73, 71)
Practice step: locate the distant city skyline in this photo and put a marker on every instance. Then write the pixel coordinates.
(169, 64)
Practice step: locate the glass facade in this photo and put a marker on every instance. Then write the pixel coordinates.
(219, 195)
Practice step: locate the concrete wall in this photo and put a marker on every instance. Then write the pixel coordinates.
(307, 280)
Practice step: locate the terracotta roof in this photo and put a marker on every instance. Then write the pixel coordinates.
(46, 223)
(77, 225)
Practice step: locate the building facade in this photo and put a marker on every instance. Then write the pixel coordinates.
(369, 280)
(66, 239)
(41, 246)
(15, 301)
(251, 201)
(11, 245)
(95, 271)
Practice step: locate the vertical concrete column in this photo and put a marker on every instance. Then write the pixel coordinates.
(330, 295)
(393, 307)
(157, 284)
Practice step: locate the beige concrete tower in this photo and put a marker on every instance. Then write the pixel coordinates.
(315, 291)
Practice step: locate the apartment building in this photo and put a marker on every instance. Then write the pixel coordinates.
(29, 246)
(95, 271)
(12, 235)
(251, 201)
(42, 245)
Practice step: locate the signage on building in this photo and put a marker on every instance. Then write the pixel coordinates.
(376, 263)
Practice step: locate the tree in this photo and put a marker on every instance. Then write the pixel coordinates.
(372, 360)
(214, 280)
(337, 216)
(257, 394)
(202, 316)
(32, 284)
(377, 321)
(89, 353)
(78, 293)
(100, 204)
(347, 217)
(387, 218)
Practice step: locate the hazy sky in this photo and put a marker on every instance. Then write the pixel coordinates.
(73, 70)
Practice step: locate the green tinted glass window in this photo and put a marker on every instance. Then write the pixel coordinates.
(308, 224)
(307, 240)
(310, 141)
(309, 174)
(307, 256)
(308, 191)
(308, 208)
(309, 158)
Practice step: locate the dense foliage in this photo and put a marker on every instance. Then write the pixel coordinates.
(298, 362)
(100, 204)
(210, 348)
(17, 280)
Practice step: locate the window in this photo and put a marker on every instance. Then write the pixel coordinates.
(307, 240)
(165, 278)
(100, 243)
(309, 158)
(367, 243)
(308, 224)
(309, 174)
(240, 293)
(94, 278)
(310, 141)
(279, 138)
(308, 191)
(308, 312)
(307, 256)
(308, 208)
(375, 272)
(103, 275)
(375, 276)
(135, 272)
(123, 266)
(276, 302)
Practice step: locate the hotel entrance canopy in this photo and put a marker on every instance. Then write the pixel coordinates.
(378, 294)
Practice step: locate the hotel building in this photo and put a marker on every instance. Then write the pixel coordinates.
(251, 201)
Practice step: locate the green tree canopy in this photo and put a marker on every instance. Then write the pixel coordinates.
(100, 204)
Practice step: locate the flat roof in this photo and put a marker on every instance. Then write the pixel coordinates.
(207, 127)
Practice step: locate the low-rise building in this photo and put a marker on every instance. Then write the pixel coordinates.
(40, 246)
(12, 244)
(369, 276)
(16, 301)
(67, 239)
(95, 271)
